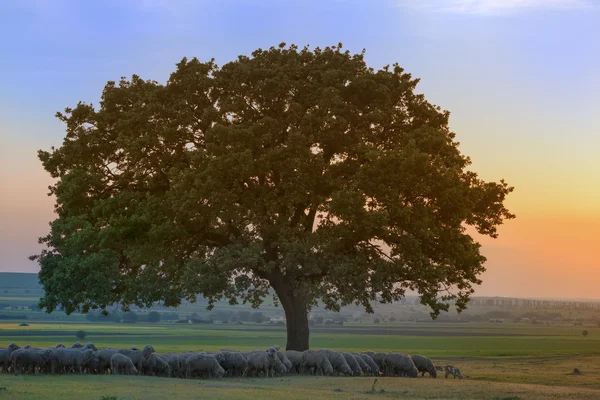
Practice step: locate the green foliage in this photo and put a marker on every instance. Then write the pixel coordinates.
(80, 334)
(300, 169)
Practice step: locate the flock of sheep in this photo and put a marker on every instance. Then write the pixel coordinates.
(270, 362)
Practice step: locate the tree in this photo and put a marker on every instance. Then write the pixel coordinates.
(300, 170)
(259, 317)
(172, 316)
(91, 316)
(154, 317)
(585, 333)
(130, 317)
(80, 335)
(244, 315)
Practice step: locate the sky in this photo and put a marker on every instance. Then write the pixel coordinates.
(521, 79)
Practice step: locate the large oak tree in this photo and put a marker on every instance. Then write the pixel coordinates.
(301, 170)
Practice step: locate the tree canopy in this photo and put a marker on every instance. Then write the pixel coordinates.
(299, 169)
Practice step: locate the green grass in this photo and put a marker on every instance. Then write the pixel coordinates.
(524, 381)
(499, 361)
(442, 341)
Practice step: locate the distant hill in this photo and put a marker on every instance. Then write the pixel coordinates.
(19, 280)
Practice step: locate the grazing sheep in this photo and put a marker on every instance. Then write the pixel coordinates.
(201, 364)
(89, 346)
(30, 360)
(181, 358)
(121, 364)
(295, 357)
(157, 365)
(337, 361)
(138, 357)
(286, 361)
(353, 364)
(5, 356)
(59, 346)
(424, 364)
(104, 357)
(176, 368)
(316, 360)
(377, 358)
(77, 345)
(233, 362)
(90, 361)
(279, 368)
(399, 364)
(367, 359)
(366, 369)
(262, 361)
(67, 360)
(11, 359)
(451, 370)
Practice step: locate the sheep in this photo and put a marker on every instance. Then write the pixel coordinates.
(261, 360)
(338, 362)
(176, 368)
(76, 345)
(181, 358)
(138, 357)
(157, 365)
(353, 364)
(399, 364)
(121, 364)
(31, 360)
(451, 370)
(233, 362)
(67, 359)
(5, 356)
(90, 361)
(59, 346)
(424, 364)
(377, 358)
(279, 368)
(286, 361)
(104, 357)
(11, 358)
(201, 364)
(317, 360)
(295, 357)
(366, 369)
(367, 359)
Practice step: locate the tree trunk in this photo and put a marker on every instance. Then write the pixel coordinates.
(296, 315)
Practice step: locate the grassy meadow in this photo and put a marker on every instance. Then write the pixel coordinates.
(500, 361)
(512, 380)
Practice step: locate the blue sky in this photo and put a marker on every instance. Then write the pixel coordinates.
(520, 77)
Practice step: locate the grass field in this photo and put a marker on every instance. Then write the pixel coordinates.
(499, 361)
(472, 340)
(515, 380)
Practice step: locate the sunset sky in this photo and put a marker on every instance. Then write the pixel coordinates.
(521, 79)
